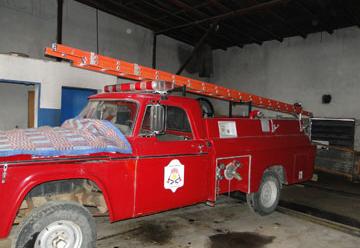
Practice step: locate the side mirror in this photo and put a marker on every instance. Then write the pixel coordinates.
(157, 119)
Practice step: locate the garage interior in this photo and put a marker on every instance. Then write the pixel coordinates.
(295, 51)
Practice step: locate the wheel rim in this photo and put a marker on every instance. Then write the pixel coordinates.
(268, 194)
(60, 234)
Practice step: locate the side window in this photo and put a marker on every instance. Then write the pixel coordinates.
(177, 125)
(177, 120)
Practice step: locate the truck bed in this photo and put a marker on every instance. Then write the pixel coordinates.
(259, 144)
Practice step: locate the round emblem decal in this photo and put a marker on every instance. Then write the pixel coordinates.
(174, 175)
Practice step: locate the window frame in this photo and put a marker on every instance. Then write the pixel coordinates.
(166, 106)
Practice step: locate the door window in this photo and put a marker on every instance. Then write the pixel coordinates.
(177, 125)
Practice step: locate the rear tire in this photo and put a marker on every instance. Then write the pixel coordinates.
(57, 224)
(266, 200)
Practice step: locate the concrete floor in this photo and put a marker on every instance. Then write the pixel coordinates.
(330, 193)
(328, 201)
(229, 224)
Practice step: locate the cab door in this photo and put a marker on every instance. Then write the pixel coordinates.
(173, 167)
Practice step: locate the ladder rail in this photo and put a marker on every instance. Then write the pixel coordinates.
(120, 68)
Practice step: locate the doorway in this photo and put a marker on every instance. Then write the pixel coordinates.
(18, 105)
(73, 100)
(31, 109)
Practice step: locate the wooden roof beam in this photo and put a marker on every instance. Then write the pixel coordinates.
(182, 10)
(164, 10)
(260, 27)
(236, 30)
(284, 22)
(203, 15)
(238, 12)
(113, 10)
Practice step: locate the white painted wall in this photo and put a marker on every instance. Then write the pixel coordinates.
(299, 70)
(51, 76)
(14, 105)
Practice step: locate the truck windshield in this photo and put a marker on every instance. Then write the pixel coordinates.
(120, 113)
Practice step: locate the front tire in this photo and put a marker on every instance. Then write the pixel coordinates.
(266, 199)
(57, 225)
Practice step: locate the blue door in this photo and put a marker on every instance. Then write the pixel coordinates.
(73, 100)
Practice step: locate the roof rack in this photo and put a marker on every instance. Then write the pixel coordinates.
(120, 68)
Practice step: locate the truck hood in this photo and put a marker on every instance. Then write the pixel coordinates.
(75, 137)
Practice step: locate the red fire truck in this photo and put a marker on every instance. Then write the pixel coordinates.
(181, 155)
